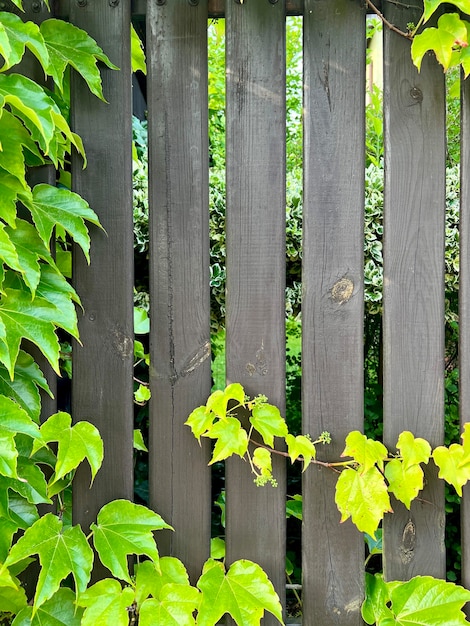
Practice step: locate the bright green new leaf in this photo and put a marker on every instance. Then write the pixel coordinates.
(60, 610)
(404, 482)
(141, 321)
(139, 443)
(200, 421)
(55, 289)
(150, 579)
(31, 104)
(75, 444)
(363, 497)
(174, 607)
(245, 592)
(374, 609)
(137, 53)
(366, 452)
(230, 437)
(8, 251)
(217, 548)
(413, 450)
(22, 35)
(262, 460)
(430, 6)
(69, 45)
(453, 464)
(267, 420)
(125, 528)
(218, 401)
(106, 602)
(61, 552)
(21, 318)
(30, 483)
(50, 206)
(142, 394)
(427, 601)
(300, 446)
(450, 31)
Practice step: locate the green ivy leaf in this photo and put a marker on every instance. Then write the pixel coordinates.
(21, 317)
(30, 483)
(30, 249)
(366, 452)
(218, 401)
(139, 443)
(125, 528)
(142, 394)
(69, 45)
(16, 420)
(363, 496)
(230, 437)
(267, 420)
(244, 592)
(300, 446)
(427, 601)
(404, 482)
(137, 53)
(430, 6)
(413, 450)
(106, 602)
(200, 421)
(61, 552)
(24, 388)
(450, 31)
(50, 206)
(374, 608)
(15, 138)
(60, 610)
(21, 35)
(150, 579)
(31, 104)
(13, 600)
(9, 454)
(262, 460)
(75, 444)
(10, 189)
(174, 607)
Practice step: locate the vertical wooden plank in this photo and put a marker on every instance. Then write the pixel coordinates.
(179, 273)
(464, 313)
(255, 53)
(102, 385)
(332, 305)
(414, 218)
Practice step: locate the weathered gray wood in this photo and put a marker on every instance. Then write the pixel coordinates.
(255, 320)
(414, 213)
(179, 273)
(332, 304)
(464, 313)
(102, 383)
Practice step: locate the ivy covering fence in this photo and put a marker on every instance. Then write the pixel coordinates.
(215, 261)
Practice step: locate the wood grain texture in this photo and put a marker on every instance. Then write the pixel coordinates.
(332, 303)
(414, 218)
(464, 315)
(180, 486)
(255, 320)
(102, 386)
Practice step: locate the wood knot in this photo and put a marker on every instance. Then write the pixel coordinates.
(342, 290)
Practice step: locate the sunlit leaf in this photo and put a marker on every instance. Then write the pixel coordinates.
(61, 552)
(245, 592)
(300, 446)
(404, 482)
(366, 452)
(267, 420)
(60, 610)
(363, 497)
(230, 438)
(124, 528)
(106, 602)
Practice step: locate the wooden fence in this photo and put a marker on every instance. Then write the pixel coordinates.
(332, 304)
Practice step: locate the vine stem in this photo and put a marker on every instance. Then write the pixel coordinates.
(388, 24)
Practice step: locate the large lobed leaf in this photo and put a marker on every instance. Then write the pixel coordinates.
(16, 36)
(245, 592)
(422, 601)
(61, 552)
(106, 602)
(69, 45)
(454, 462)
(124, 528)
(60, 610)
